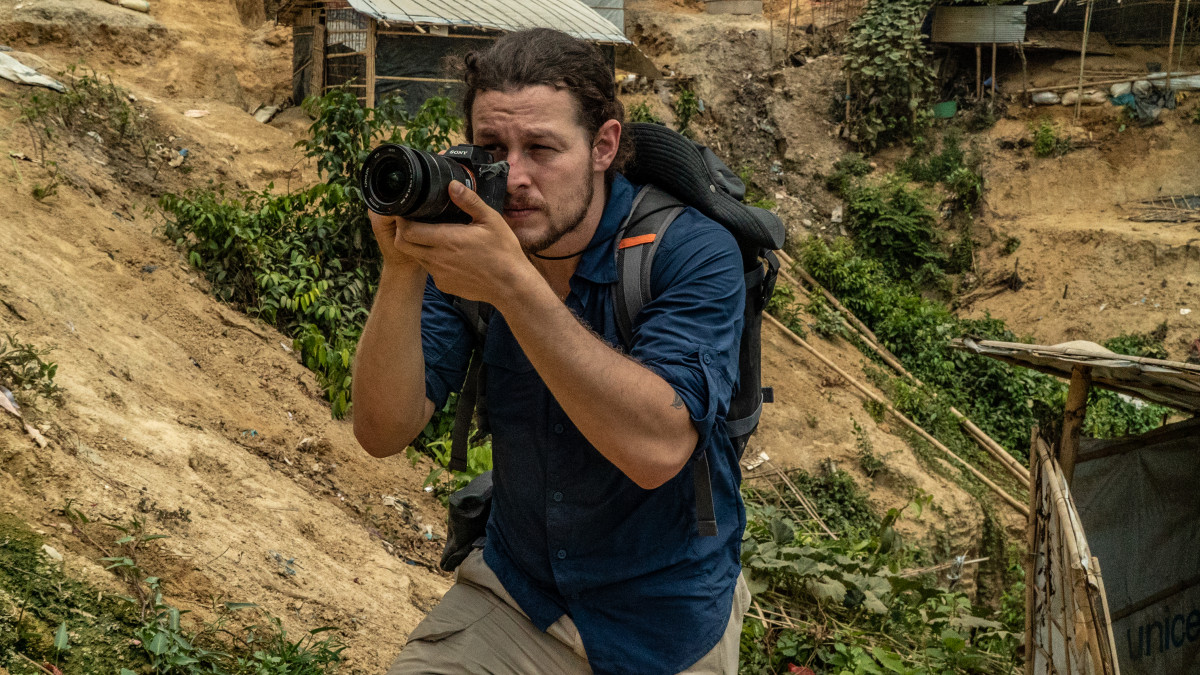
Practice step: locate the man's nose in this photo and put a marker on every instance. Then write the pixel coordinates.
(518, 174)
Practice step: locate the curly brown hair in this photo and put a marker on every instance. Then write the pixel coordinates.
(542, 56)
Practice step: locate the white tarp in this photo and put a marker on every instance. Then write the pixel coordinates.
(15, 71)
(1139, 502)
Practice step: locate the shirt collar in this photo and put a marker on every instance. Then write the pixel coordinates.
(598, 265)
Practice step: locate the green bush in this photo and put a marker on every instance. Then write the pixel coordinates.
(891, 78)
(895, 225)
(1046, 141)
(306, 261)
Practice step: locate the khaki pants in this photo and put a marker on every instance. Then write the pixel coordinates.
(478, 628)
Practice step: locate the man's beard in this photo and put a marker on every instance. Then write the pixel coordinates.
(561, 222)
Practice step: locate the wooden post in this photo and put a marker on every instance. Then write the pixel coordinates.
(847, 123)
(978, 72)
(1087, 30)
(993, 70)
(372, 26)
(1077, 396)
(1030, 557)
(316, 77)
(1171, 48)
(1024, 70)
(787, 41)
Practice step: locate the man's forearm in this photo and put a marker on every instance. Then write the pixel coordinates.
(627, 412)
(388, 390)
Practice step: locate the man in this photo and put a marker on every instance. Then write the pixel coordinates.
(593, 561)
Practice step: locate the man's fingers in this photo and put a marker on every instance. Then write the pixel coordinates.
(470, 202)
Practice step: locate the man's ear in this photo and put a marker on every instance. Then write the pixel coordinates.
(604, 147)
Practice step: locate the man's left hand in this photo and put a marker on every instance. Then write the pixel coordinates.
(476, 261)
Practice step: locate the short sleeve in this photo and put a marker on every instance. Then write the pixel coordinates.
(446, 344)
(690, 332)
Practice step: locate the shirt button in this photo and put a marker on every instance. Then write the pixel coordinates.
(707, 358)
(561, 554)
(558, 496)
(558, 428)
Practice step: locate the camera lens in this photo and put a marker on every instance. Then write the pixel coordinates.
(412, 184)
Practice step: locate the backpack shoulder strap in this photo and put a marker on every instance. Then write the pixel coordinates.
(653, 212)
(477, 315)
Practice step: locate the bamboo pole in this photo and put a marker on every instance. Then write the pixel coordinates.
(1171, 47)
(787, 41)
(993, 70)
(1098, 83)
(978, 71)
(1024, 70)
(1076, 409)
(372, 25)
(1087, 30)
(1031, 552)
(1018, 506)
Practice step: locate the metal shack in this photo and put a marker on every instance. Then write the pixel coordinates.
(1129, 506)
(382, 48)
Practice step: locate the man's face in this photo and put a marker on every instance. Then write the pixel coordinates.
(552, 180)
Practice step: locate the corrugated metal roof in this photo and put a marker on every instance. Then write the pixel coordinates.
(973, 25)
(1169, 383)
(570, 16)
(613, 11)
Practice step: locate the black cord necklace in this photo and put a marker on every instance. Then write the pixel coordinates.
(595, 244)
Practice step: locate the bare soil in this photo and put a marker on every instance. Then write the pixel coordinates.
(1090, 272)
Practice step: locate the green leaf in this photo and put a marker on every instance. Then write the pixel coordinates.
(159, 644)
(61, 638)
(782, 531)
(827, 590)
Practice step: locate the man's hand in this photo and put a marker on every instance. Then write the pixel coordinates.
(387, 229)
(477, 261)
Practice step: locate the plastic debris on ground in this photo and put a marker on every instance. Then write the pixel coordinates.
(15, 71)
(1046, 98)
(755, 462)
(266, 113)
(195, 113)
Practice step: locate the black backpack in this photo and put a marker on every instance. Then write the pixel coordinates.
(676, 173)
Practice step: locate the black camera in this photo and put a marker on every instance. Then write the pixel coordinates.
(400, 181)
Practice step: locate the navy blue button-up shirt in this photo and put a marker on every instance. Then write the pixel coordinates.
(569, 533)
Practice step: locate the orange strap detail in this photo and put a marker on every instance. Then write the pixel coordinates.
(636, 241)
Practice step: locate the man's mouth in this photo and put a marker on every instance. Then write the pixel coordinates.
(519, 211)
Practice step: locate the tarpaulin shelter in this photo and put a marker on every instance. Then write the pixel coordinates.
(1127, 505)
(381, 48)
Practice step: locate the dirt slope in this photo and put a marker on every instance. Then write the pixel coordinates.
(1091, 273)
(173, 401)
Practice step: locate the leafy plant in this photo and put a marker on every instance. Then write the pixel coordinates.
(1047, 142)
(687, 106)
(870, 463)
(894, 223)
(306, 260)
(24, 371)
(887, 63)
(850, 167)
(641, 112)
(849, 608)
(92, 104)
